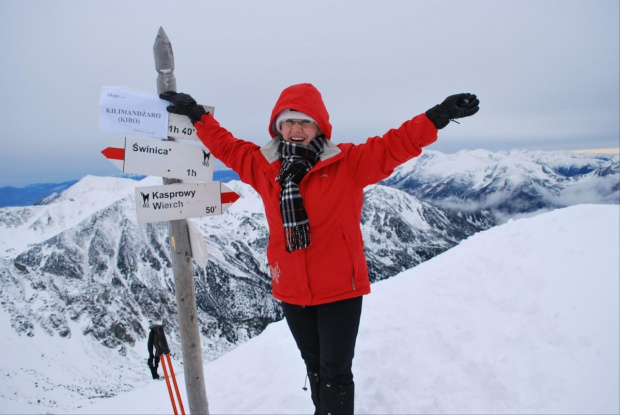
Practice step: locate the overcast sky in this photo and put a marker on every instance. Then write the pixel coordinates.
(546, 72)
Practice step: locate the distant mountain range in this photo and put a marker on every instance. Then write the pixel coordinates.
(35, 193)
(79, 264)
(509, 183)
(31, 194)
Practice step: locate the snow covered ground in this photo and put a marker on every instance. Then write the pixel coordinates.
(521, 319)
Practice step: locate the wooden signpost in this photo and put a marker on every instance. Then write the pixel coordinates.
(174, 201)
(182, 267)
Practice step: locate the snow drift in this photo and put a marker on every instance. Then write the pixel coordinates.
(522, 318)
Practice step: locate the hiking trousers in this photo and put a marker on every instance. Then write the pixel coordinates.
(325, 335)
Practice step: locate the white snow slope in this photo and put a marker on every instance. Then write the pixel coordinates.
(520, 319)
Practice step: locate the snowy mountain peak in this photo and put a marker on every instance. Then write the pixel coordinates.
(509, 183)
(80, 272)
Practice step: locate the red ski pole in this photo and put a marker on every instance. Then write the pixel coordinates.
(163, 365)
(157, 338)
(176, 387)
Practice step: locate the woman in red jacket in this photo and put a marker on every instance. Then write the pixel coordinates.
(312, 190)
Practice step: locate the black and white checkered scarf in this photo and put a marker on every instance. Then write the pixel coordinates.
(297, 160)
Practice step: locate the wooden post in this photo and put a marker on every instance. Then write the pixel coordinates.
(182, 265)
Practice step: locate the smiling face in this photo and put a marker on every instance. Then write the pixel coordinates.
(298, 131)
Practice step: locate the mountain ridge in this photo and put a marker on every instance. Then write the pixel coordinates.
(510, 182)
(81, 266)
(44, 193)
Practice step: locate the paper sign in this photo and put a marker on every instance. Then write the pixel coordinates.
(129, 112)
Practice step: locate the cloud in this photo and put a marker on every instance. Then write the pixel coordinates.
(545, 72)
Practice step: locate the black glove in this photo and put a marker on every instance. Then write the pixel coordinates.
(183, 104)
(455, 106)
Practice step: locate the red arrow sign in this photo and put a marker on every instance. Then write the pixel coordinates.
(230, 197)
(114, 153)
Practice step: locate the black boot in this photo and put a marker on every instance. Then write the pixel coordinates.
(337, 399)
(315, 390)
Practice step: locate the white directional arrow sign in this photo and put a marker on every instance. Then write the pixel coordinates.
(176, 160)
(182, 201)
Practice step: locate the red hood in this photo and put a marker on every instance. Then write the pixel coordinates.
(303, 98)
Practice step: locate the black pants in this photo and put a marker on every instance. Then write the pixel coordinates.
(325, 335)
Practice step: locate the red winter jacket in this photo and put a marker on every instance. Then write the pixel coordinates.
(333, 267)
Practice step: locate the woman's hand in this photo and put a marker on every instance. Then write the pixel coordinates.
(183, 104)
(455, 106)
